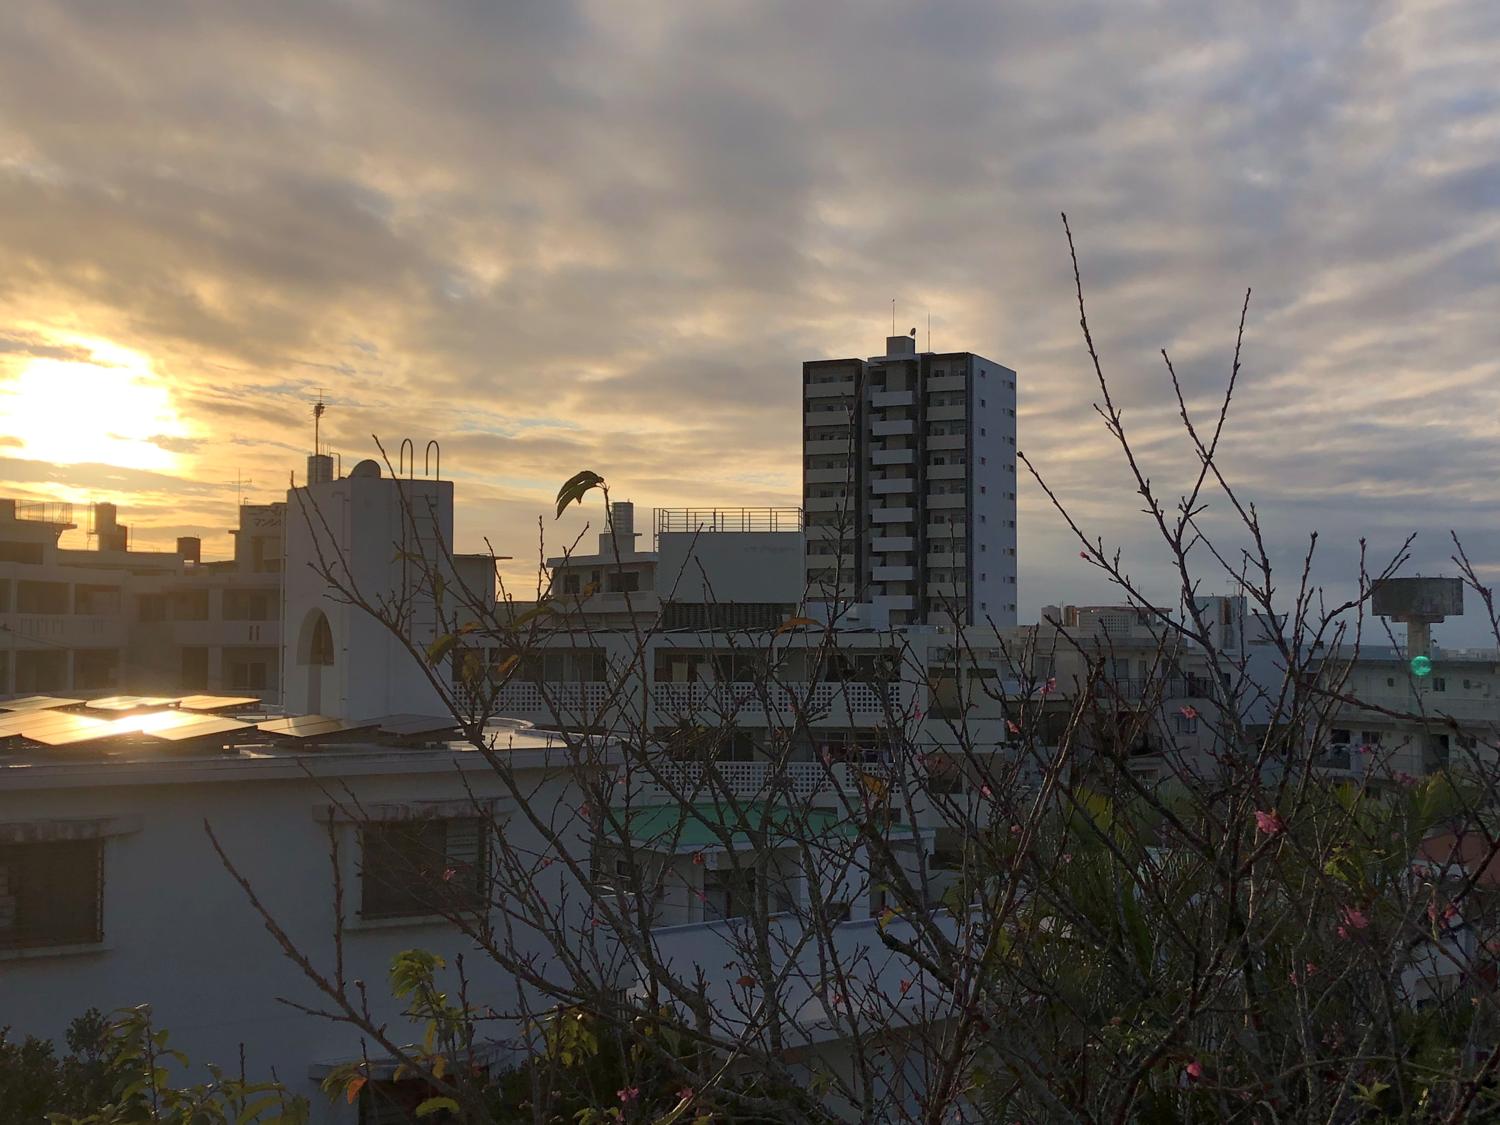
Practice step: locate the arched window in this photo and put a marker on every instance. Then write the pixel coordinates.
(315, 645)
(322, 642)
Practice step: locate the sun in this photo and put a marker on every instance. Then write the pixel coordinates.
(111, 410)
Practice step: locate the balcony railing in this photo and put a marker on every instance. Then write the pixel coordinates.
(744, 780)
(749, 698)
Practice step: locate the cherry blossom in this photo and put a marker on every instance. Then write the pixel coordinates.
(1269, 822)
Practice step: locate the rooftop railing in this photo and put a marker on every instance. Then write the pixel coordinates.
(728, 519)
(45, 511)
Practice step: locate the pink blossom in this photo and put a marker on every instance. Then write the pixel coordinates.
(629, 1094)
(1194, 1070)
(448, 874)
(984, 791)
(1406, 779)
(1083, 554)
(1011, 726)
(698, 859)
(1366, 748)
(1015, 829)
(745, 981)
(1269, 822)
(905, 986)
(1188, 712)
(1050, 686)
(586, 812)
(1353, 919)
(685, 1094)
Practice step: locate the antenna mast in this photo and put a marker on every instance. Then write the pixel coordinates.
(318, 408)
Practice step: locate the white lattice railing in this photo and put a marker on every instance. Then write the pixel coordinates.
(803, 780)
(748, 698)
(539, 702)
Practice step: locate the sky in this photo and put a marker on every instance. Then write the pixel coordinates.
(567, 235)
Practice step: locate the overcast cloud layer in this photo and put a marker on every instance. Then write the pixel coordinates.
(605, 235)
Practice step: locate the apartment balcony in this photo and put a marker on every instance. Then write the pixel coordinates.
(947, 472)
(841, 475)
(956, 413)
(893, 574)
(820, 702)
(898, 427)
(830, 534)
(692, 781)
(888, 485)
(824, 446)
(1468, 711)
(881, 399)
(893, 457)
(947, 500)
(68, 629)
(842, 389)
(828, 504)
(826, 417)
(943, 441)
(941, 383)
(945, 559)
(548, 704)
(890, 515)
(886, 544)
(947, 589)
(895, 601)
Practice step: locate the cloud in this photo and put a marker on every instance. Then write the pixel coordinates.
(628, 225)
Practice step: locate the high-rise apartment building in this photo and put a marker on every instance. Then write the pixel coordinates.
(909, 484)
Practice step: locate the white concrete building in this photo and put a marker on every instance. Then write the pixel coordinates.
(909, 485)
(704, 568)
(111, 894)
(372, 533)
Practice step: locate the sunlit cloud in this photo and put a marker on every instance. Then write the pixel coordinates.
(628, 225)
(111, 410)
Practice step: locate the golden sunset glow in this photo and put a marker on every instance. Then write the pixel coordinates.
(112, 411)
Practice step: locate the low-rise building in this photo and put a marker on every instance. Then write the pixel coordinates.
(112, 618)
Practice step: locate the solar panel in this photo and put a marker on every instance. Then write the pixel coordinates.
(15, 725)
(37, 703)
(202, 726)
(218, 702)
(314, 727)
(410, 726)
(68, 730)
(300, 726)
(123, 703)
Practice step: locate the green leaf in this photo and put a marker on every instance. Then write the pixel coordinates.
(575, 488)
(441, 647)
(432, 1105)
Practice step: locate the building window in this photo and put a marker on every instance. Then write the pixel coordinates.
(247, 675)
(51, 893)
(981, 490)
(322, 642)
(1439, 684)
(1186, 725)
(418, 867)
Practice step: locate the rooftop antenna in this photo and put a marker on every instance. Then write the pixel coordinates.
(239, 482)
(929, 330)
(893, 316)
(318, 408)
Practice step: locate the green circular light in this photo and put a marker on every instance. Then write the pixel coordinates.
(1421, 666)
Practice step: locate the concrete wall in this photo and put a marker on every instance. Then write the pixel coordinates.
(741, 566)
(359, 527)
(179, 933)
